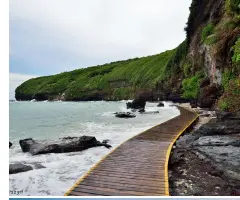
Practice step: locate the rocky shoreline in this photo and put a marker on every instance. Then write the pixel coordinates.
(205, 161)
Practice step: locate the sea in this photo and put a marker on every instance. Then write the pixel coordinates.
(53, 120)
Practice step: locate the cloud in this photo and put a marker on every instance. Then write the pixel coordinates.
(16, 80)
(58, 35)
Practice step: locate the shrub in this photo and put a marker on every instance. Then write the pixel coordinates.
(233, 9)
(206, 31)
(191, 86)
(227, 76)
(236, 52)
(230, 100)
(223, 105)
(232, 6)
(210, 40)
(186, 69)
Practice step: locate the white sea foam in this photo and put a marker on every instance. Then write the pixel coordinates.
(54, 120)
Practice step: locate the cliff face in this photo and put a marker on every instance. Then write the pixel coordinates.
(208, 74)
(204, 69)
(213, 33)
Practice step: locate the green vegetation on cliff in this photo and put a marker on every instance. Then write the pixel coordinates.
(116, 80)
(207, 31)
(236, 53)
(191, 86)
(229, 101)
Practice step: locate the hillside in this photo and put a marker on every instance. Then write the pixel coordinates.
(115, 81)
(204, 69)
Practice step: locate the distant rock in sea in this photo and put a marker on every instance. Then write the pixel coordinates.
(124, 115)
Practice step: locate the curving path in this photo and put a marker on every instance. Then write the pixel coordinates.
(139, 166)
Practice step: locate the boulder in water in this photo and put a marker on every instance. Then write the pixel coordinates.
(141, 110)
(137, 103)
(10, 144)
(17, 168)
(140, 101)
(161, 104)
(124, 115)
(26, 144)
(62, 145)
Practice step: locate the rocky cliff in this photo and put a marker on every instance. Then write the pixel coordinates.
(204, 69)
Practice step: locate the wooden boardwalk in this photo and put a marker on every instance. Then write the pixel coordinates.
(139, 166)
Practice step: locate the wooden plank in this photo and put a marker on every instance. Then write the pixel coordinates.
(114, 192)
(130, 176)
(124, 187)
(127, 180)
(73, 193)
(132, 172)
(114, 183)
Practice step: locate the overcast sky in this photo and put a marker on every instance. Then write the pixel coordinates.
(48, 37)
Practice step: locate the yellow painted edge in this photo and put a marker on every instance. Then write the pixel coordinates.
(95, 166)
(169, 152)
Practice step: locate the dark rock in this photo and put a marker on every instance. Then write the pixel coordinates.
(129, 105)
(141, 110)
(105, 141)
(226, 116)
(124, 115)
(193, 104)
(64, 145)
(220, 128)
(208, 96)
(26, 144)
(140, 101)
(150, 112)
(205, 82)
(10, 144)
(176, 98)
(136, 104)
(17, 168)
(161, 104)
(217, 140)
